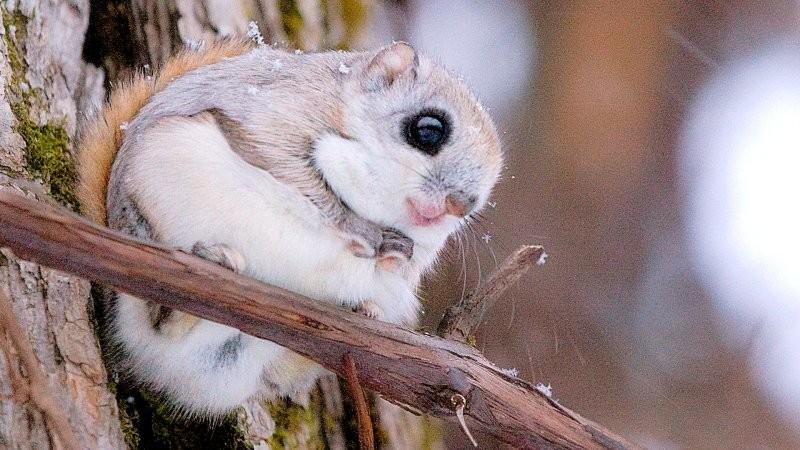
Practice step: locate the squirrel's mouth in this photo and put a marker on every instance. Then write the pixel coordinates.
(428, 212)
(424, 213)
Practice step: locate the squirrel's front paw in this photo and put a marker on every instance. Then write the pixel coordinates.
(391, 248)
(221, 254)
(395, 251)
(363, 237)
(370, 309)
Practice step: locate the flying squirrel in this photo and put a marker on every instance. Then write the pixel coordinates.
(336, 175)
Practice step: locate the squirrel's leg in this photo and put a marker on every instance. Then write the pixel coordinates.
(221, 254)
(176, 323)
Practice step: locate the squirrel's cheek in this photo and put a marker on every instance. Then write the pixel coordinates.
(346, 168)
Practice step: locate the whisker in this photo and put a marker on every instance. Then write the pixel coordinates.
(477, 257)
(577, 350)
(513, 311)
(555, 338)
(463, 266)
(530, 360)
(473, 221)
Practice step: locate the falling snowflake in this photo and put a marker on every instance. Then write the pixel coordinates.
(513, 372)
(493, 204)
(193, 45)
(343, 68)
(123, 126)
(546, 390)
(486, 238)
(254, 34)
(542, 259)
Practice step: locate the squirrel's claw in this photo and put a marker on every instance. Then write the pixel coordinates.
(221, 254)
(391, 248)
(395, 251)
(370, 309)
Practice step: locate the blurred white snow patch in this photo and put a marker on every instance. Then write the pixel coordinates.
(741, 165)
(546, 390)
(490, 43)
(542, 259)
(254, 33)
(512, 372)
(194, 45)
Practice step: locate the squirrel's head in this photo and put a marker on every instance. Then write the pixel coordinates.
(416, 151)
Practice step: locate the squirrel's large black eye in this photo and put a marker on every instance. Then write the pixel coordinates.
(427, 131)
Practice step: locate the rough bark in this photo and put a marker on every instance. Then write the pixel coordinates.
(43, 85)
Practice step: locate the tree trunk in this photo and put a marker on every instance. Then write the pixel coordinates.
(47, 87)
(43, 84)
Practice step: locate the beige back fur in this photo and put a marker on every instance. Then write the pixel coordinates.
(101, 139)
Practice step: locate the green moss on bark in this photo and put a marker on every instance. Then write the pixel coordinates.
(148, 421)
(47, 155)
(46, 145)
(293, 421)
(292, 21)
(355, 14)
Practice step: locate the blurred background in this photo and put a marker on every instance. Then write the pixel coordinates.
(653, 148)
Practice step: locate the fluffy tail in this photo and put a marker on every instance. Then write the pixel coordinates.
(100, 140)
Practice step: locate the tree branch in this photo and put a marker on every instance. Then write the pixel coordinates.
(460, 320)
(405, 367)
(366, 435)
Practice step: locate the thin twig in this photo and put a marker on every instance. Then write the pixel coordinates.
(459, 402)
(460, 320)
(38, 390)
(365, 434)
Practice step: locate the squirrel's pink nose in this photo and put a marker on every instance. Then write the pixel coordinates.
(459, 204)
(426, 212)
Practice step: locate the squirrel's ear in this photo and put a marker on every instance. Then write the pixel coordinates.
(397, 61)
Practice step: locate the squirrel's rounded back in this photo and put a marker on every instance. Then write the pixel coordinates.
(101, 138)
